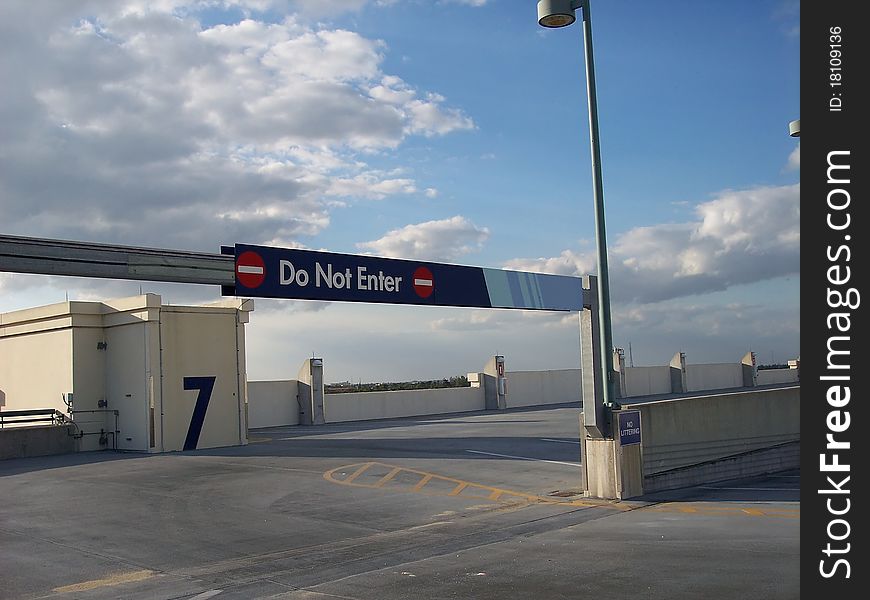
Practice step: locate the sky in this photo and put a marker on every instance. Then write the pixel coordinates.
(439, 130)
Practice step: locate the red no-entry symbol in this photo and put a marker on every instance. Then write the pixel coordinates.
(250, 269)
(424, 283)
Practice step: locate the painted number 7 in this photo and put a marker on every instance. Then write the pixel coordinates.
(205, 385)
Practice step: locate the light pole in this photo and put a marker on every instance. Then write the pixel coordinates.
(560, 13)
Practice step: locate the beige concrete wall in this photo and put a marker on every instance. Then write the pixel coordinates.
(89, 385)
(687, 431)
(201, 343)
(272, 403)
(646, 381)
(532, 388)
(36, 370)
(108, 354)
(127, 388)
(39, 440)
(361, 406)
(714, 376)
(769, 376)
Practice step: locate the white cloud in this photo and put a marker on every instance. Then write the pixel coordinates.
(739, 237)
(429, 118)
(370, 185)
(446, 239)
(501, 320)
(707, 329)
(132, 123)
(794, 159)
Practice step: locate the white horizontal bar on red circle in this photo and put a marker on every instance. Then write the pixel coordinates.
(250, 269)
(426, 282)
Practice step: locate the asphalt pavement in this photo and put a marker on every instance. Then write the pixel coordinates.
(478, 505)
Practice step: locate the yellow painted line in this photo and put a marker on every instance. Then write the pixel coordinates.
(723, 511)
(259, 440)
(116, 579)
(426, 479)
(458, 489)
(349, 479)
(490, 492)
(388, 476)
(496, 494)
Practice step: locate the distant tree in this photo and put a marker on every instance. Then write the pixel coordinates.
(772, 366)
(345, 387)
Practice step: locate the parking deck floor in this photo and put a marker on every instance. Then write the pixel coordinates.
(479, 505)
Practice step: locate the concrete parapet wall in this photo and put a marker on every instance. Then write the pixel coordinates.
(688, 431)
(22, 442)
(363, 406)
(647, 381)
(757, 462)
(272, 403)
(714, 376)
(531, 388)
(769, 376)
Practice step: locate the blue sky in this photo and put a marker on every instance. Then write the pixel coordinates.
(450, 131)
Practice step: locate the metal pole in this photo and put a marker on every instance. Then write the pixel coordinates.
(606, 340)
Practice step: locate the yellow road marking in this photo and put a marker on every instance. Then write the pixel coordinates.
(388, 476)
(458, 489)
(424, 481)
(706, 509)
(348, 480)
(459, 485)
(496, 494)
(116, 579)
(259, 440)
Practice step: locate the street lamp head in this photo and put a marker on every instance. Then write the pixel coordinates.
(556, 13)
(794, 128)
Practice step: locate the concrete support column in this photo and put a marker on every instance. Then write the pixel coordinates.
(619, 372)
(750, 370)
(595, 416)
(310, 392)
(495, 384)
(610, 470)
(679, 384)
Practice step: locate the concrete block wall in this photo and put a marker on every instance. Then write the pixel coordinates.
(770, 376)
(679, 377)
(40, 440)
(647, 381)
(689, 431)
(714, 376)
(272, 403)
(534, 388)
(362, 406)
(128, 365)
(748, 464)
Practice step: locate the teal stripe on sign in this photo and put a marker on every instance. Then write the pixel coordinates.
(524, 289)
(536, 292)
(533, 291)
(498, 288)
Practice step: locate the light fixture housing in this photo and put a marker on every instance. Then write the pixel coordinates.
(556, 13)
(794, 128)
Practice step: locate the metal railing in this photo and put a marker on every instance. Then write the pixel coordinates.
(35, 415)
